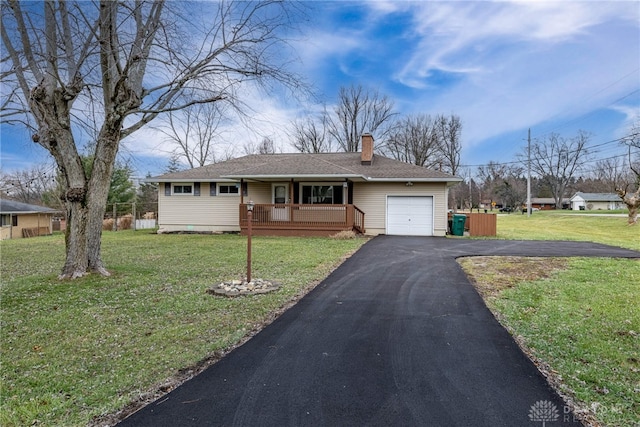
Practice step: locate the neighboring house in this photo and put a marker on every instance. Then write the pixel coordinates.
(596, 201)
(307, 194)
(24, 220)
(548, 203)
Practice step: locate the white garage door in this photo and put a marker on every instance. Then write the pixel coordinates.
(410, 215)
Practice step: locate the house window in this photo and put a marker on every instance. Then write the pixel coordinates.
(6, 220)
(228, 189)
(322, 194)
(183, 189)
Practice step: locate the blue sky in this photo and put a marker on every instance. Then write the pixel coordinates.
(503, 67)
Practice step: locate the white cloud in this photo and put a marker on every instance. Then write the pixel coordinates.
(461, 37)
(520, 64)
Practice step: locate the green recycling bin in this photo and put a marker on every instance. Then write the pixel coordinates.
(457, 224)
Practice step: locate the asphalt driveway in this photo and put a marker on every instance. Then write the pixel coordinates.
(397, 336)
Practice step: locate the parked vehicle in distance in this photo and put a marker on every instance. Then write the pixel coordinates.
(506, 209)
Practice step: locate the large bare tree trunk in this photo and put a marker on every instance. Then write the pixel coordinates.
(632, 200)
(98, 53)
(76, 242)
(99, 184)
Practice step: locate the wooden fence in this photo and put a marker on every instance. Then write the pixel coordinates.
(479, 224)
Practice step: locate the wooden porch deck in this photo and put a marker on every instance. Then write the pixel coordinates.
(302, 220)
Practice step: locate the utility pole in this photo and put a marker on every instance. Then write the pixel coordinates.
(529, 174)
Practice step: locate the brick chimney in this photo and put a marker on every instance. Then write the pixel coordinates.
(367, 149)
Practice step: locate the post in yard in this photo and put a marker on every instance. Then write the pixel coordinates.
(250, 205)
(529, 174)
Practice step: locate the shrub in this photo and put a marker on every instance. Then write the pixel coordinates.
(107, 224)
(124, 223)
(344, 235)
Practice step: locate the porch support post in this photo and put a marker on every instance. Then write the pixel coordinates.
(291, 192)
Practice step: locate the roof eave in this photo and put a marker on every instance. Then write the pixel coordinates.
(154, 180)
(234, 178)
(453, 180)
(295, 176)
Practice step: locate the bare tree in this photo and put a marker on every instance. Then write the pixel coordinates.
(358, 111)
(608, 173)
(415, 139)
(557, 159)
(310, 136)
(449, 130)
(266, 146)
(194, 132)
(29, 185)
(631, 198)
(498, 180)
(126, 62)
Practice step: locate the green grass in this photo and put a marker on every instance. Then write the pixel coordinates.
(74, 350)
(563, 226)
(583, 321)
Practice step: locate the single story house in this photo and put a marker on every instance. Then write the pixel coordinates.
(307, 194)
(548, 203)
(596, 201)
(24, 220)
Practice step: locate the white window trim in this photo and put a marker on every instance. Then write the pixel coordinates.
(273, 191)
(182, 184)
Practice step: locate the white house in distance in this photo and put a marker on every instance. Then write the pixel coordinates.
(307, 194)
(596, 201)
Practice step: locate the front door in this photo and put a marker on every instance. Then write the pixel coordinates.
(280, 196)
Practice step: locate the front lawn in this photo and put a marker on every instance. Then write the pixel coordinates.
(578, 318)
(71, 351)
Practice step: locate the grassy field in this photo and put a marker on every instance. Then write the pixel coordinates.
(564, 225)
(578, 318)
(74, 350)
(71, 352)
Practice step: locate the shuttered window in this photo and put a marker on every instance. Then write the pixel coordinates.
(183, 189)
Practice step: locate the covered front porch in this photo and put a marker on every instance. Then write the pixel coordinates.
(301, 219)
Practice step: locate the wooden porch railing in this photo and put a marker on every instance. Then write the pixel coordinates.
(292, 219)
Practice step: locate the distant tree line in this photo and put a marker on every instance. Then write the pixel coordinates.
(560, 167)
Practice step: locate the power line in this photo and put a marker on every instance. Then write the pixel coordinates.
(591, 147)
(565, 124)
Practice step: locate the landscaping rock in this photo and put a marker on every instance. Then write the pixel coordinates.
(234, 288)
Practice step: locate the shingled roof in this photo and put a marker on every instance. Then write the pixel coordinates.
(12, 207)
(308, 166)
(598, 197)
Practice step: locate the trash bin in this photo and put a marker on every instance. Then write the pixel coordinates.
(457, 225)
